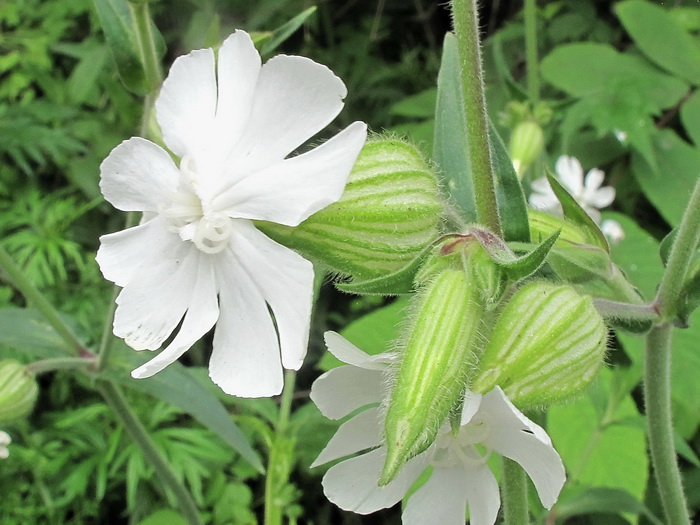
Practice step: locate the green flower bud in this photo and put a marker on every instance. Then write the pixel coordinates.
(387, 216)
(526, 144)
(547, 345)
(18, 390)
(437, 355)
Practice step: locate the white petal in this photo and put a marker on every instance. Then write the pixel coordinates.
(541, 185)
(602, 197)
(352, 484)
(245, 360)
(350, 354)
(344, 389)
(155, 299)
(238, 68)
(570, 174)
(612, 230)
(285, 281)
(121, 254)
(359, 433)
(138, 175)
(544, 202)
(442, 499)
(472, 401)
(201, 316)
(482, 493)
(289, 191)
(295, 98)
(515, 436)
(186, 105)
(594, 178)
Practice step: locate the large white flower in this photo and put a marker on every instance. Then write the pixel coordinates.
(5, 440)
(197, 258)
(460, 475)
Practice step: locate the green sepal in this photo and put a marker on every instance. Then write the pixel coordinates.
(515, 267)
(450, 153)
(575, 213)
(397, 283)
(18, 390)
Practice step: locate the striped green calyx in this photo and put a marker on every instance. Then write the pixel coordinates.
(387, 216)
(546, 346)
(437, 355)
(18, 390)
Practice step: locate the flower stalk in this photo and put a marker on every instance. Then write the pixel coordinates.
(119, 405)
(466, 26)
(514, 488)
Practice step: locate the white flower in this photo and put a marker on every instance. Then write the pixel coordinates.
(460, 475)
(587, 191)
(5, 440)
(197, 258)
(612, 230)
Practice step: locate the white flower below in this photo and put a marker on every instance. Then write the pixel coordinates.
(460, 474)
(612, 231)
(197, 259)
(587, 191)
(5, 440)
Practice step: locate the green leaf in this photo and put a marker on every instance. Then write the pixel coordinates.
(286, 30)
(164, 517)
(178, 386)
(450, 154)
(117, 24)
(661, 38)
(599, 453)
(604, 499)
(517, 268)
(669, 186)
(26, 330)
(576, 214)
(690, 117)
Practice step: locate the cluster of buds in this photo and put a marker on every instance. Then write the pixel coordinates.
(539, 342)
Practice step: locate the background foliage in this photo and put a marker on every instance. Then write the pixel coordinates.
(620, 79)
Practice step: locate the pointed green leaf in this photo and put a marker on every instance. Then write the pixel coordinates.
(27, 330)
(450, 154)
(397, 283)
(286, 30)
(520, 267)
(178, 386)
(576, 214)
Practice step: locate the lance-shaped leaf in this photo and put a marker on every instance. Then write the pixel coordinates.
(575, 213)
(450, 153)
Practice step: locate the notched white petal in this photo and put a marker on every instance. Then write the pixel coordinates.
(342, 390)
(350, 354)
(364, 431)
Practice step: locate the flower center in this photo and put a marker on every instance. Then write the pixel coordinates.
(192, 218)
(467, 447)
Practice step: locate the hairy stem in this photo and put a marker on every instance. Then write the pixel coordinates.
(514, 490)
(466, 26)
(119, 405)
(657, 399)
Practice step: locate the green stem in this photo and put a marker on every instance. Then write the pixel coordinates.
(531, 59)
(62, 363)
(657, 399)
(119, 405)
(277, 474)
(682, 252)
(626, 311)
(514, 490)
(466, 25)
(146, 45)
(36, 299)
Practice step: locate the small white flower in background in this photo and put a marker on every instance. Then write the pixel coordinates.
(460, 474)
(586, 190)
(197, 257)
(5, 440)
